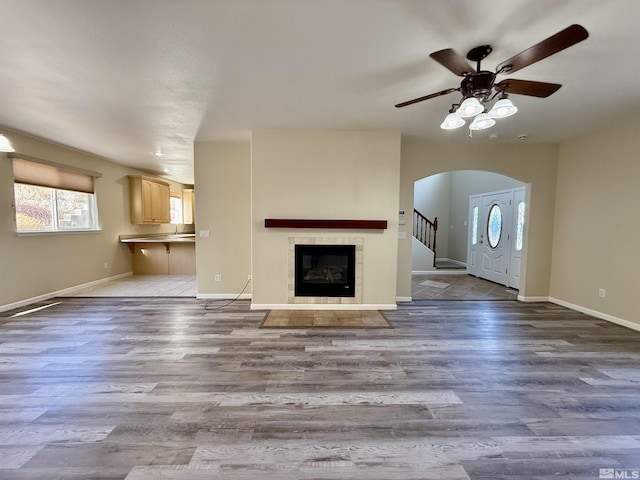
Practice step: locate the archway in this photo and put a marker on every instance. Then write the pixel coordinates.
(438, 260)
(534, 165)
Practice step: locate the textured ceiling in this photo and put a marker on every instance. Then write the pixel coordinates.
(123, 78)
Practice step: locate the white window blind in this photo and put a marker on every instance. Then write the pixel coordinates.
(33, 171)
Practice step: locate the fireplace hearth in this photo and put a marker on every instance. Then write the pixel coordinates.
(325, 270)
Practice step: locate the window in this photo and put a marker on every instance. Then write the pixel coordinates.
(175, 206)
(474, 226)
(51, 198)
(494, 226)
(520, 226)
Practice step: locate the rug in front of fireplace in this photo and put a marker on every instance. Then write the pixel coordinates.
(325, 319)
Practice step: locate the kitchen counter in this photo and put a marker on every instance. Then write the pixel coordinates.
(160, 238)
(162, 253)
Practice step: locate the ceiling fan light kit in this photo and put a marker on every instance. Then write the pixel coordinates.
(452, 121)
(482, 122)
(478, 86)
(503, 108)
(470, 107)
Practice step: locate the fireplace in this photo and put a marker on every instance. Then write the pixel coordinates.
(325, 270)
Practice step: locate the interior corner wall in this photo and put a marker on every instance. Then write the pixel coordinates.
(596, 224)
(432, 198)
(223, 208)
(531, 164)
(37, 266)
(307, 174)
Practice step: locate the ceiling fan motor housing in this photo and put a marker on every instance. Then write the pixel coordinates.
(478, 85)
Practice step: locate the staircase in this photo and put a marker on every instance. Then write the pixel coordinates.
(425, 231)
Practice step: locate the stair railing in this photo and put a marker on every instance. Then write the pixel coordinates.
(425, 231)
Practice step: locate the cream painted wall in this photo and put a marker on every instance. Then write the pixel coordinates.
(532, 164)
(597, 224)
(421, 257)
(325, 175)
(33, 266)
(223, 207)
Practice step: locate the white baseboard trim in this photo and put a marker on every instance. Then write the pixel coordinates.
(323, 306)
(223, 296)
(439, 272)
(404, 299)
(522, 298)
(595, 313)
(63, 292)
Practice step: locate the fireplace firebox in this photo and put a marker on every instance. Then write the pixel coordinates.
(325, 270)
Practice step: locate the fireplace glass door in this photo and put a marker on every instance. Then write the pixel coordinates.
(325, 270)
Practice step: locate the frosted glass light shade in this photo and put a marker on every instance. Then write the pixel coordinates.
(452, 121)
(470, 108)
(482, 122)
(5, 146)
(503, 108)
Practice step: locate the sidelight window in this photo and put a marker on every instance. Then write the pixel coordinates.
(520, 226)
(474, 226)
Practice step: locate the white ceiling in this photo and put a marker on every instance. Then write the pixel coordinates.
(123, 78)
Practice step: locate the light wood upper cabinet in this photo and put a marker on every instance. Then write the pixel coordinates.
(149, 200)
(188, 206)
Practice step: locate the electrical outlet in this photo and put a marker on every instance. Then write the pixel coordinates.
(218, 278)
(204, 233)
(602, 293)
(249, 277)
(106, 265)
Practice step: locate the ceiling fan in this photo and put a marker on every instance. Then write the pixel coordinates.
(478, 87)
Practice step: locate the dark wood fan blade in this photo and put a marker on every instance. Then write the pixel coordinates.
(426, 97)
(552, 45)
(450, 59)
(527, 87)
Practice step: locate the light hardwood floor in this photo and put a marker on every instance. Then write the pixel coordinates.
(148, 389)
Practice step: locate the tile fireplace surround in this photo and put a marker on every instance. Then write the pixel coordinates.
(293, 241)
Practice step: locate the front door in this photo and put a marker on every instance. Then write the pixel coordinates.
(496, 226)
(495, 241)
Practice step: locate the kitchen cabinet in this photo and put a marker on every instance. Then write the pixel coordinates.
(188, 206)
(149, 200)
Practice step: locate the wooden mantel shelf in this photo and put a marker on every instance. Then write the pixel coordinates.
(344, 224)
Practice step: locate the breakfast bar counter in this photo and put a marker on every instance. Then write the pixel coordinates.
(162, 254)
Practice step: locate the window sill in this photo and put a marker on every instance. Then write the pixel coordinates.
(57, 232)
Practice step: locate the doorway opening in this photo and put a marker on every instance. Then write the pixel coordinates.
(446, 271)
